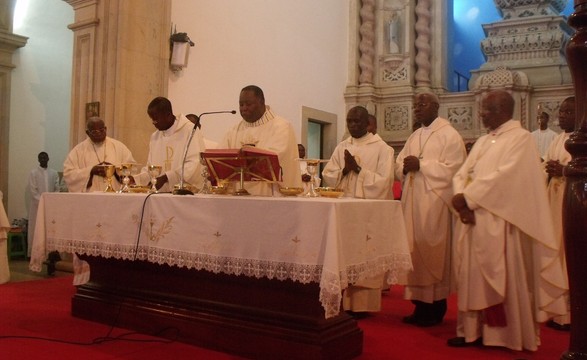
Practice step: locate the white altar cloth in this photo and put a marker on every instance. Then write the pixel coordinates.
(333, 242)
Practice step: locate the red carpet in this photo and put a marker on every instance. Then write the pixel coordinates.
(35, 323)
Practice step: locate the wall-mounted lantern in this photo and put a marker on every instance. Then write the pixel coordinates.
(180, 49)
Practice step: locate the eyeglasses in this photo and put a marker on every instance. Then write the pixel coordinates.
(566, 112)
(422, 104)
(96, 131)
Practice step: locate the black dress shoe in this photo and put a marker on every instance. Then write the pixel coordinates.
(414, 320)
(459, 341)
(560, 327)
(357, 315)
(410, 319)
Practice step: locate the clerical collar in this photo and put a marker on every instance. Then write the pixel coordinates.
(172, 128)
(501, 128)
(429, 127)
(267, 116)
(363, 139)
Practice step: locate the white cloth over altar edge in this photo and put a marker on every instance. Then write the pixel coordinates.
(333, 242)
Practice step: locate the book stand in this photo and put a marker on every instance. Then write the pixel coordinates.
(245, 164)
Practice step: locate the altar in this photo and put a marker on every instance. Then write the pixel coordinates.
(261, 277)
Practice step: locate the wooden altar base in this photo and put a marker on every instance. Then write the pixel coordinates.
(249, 317)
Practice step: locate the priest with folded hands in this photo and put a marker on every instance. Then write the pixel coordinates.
(362, 165)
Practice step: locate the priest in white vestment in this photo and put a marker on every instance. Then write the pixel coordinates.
(167, 148)
(82, 170)
(555, 160)
(263, 129)
(425, 166)
(41, 179)
(507, 262)
(362, 165)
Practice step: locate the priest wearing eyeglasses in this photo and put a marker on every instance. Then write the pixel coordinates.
(83, 170)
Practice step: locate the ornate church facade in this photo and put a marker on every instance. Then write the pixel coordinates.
(398, 48)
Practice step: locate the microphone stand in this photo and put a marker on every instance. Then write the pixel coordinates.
(181, 190)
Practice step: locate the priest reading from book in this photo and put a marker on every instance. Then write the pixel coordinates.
(167, 147)
(262, 129)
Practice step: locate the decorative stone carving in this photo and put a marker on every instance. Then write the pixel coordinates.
(423, 48)
(396, 117)
(531, 38)
(502, 77)
(461, 117)
(525, 8)
(394, 70)
(367, 44)
(537, 41)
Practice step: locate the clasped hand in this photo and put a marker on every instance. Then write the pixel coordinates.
(554, 168)
(411, 163)
(99, 169)
(350, 164)
(466, 215)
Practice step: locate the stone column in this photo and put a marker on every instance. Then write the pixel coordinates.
(575, 199)
(423, 47)
(9, 42)
(367, 44)
(121, 61)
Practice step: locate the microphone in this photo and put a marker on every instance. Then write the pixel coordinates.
(196, 120)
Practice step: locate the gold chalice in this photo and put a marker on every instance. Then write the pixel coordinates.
(109, 172)
(124, 171)
(154, 172)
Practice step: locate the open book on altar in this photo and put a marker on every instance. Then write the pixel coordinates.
(252, 163)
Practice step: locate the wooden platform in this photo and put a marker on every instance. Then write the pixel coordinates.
(255, 318)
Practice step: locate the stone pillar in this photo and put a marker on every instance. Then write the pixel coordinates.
(423, 44)
(367, 43)
(121, 61)
(9, 42)
(531, 38)
(575, 199)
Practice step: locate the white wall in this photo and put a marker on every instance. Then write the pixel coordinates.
(296, 51)
(40, 100)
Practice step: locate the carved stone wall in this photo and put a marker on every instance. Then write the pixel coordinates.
(530, 38)
(396, 43)
(409, 41)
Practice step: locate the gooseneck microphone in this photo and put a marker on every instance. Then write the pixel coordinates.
(181, 190)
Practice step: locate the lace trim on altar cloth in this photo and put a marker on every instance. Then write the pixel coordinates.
(331, 284)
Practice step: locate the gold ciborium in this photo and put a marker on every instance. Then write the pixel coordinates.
(109, 173)
(124, 171)
(154, 172)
